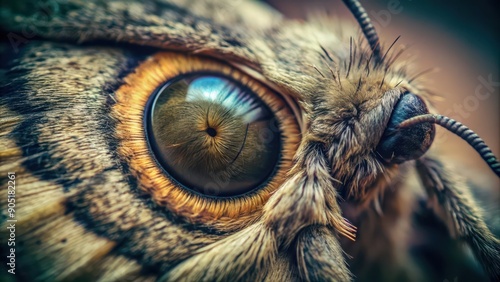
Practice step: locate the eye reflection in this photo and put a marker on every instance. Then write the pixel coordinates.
(211, 135)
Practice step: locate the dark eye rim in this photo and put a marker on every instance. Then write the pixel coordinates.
(154, 151)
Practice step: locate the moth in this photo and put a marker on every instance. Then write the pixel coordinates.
(206, 141)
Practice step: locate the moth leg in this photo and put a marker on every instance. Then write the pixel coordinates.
(452, 201)
(309, 198)
(315, 247)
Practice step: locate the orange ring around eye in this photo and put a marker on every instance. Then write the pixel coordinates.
(129, 110)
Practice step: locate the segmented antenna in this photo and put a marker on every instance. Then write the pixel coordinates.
(366, 25)
(463, 132)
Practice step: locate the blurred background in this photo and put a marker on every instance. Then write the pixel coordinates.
(461, 39)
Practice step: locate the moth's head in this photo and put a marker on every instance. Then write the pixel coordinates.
(366, 117)
(357, 116)
(372, 116)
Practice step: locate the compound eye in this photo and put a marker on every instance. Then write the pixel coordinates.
(202, 138)
(206, 131)
(398, 145)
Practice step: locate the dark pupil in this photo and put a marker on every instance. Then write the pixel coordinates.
(213, 135)
(211, 131)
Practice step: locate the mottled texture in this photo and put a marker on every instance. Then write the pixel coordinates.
(82, 214)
